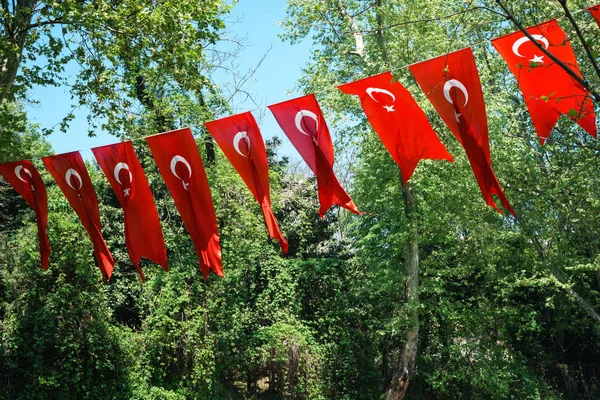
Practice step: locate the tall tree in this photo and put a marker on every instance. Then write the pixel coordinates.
(352, 40)
(122, 51)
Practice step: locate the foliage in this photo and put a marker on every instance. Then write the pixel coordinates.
(328, 320)
(141, 62)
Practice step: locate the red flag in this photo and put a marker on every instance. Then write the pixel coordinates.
(240, 139)
(72, 178)
(547, 88)
(180, 164)
(451, 83)
(399, 121)
(26, 180)
(595, 11)
(143, 234)
(302, 121)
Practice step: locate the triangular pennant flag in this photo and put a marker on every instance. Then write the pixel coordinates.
(302, 121)
(143, 234)
(71, 176)
(240, 139)
(399, 121)
(26, 180)
(547, 88)
(451, 82)
(179, 162)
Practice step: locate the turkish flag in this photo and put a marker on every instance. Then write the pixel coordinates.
(240, 139)
(71, 176)
(26, 180)
(302, 121)
(180, 164)
(547, 88)
(595, 11)
(451, 83)
(143, 234)
(399, 121)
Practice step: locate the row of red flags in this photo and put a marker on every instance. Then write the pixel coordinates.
(451, 83)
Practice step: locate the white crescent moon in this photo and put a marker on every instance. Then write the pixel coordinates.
(305, 113)
(457, 84)
(19, 169)
(372, 90)
(180, 159)
(236, 142)
(518, 43)
(72, 173)
(118, 169)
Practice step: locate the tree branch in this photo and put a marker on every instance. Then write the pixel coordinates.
(358, 38)
(380, 39)
(584, 43)
(44, 23)
(364, 10)
(5, 19)
(436, 19)
(558, 275)
(565, 67)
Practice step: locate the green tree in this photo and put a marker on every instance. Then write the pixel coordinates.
(124, 52)
(353, 40)
(494, 311)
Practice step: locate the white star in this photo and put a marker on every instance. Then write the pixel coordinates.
(537, 59)
(32, 188)
(389, 108)
(457, 115)
(185, 185)
(127, 191)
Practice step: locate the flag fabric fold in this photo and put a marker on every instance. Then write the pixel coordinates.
(180, 164)
(71, 176)
(26, 180)
(451, 82)
(399, 121)
(302, 122)
(240, 140)
(549, 91)
(143, 233)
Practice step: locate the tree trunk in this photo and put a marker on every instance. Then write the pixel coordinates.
(164, 122)
(356, 33)
(209, 144)
(404, 370)
(11, 60)
(406, 363)
(16, 27)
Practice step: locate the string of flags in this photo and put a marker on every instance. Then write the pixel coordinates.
(451, 83)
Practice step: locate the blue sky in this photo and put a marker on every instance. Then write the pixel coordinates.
(254, 19)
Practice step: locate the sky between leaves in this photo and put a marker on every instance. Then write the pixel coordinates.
(274, 79)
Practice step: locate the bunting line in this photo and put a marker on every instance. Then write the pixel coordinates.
(450, 81)
(334, 88)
